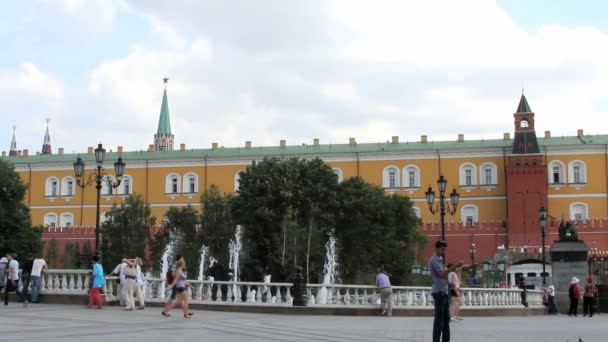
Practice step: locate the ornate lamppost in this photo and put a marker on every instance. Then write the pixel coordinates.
(442, 206)
(98, 178)
(543, 225)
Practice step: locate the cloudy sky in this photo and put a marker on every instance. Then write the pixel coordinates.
(297, 70)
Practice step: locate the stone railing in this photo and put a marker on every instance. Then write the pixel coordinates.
(75, 282)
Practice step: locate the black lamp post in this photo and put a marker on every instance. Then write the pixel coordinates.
(442, 206)
(543, 224)
(98, 178)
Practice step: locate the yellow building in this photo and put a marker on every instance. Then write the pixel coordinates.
(576, 174)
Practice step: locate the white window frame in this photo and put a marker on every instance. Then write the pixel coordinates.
(186, 187)
(483, 169)
(169, 181)
(65, 188)
(386, 182)
(562, 172)
(50, 220)
(51, 187)
(407, 180)
(579, 208)
(417, 212)
(582, 172)
(237, 177)
(123, 185)
(463, 174)
(66, 220)
(108, 189)
(466, 210)
(338, 173)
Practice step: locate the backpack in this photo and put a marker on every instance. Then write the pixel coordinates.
(169, 276)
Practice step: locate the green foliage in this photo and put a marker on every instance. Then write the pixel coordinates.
(126, 230)
(16, 231)
(216, 223)
(184, 222)
(71, 259)
(51, 253)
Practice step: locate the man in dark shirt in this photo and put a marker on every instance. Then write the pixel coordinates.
(439, 275)
(26, 276)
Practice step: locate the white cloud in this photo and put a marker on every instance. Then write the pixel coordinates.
(29, 85)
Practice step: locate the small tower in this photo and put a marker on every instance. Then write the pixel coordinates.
(13, 151)
(163, 139)
(46, 145)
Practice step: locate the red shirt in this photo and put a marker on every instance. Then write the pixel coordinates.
(576, 290)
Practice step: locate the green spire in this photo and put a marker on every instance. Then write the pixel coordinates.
(164, 123)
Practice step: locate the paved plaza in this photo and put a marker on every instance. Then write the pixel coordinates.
(46, 322)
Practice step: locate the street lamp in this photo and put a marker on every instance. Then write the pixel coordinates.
(472, 253)
(542, 219)
(442, 206)
(98, 178)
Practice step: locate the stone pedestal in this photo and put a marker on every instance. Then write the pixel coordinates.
(569, 259)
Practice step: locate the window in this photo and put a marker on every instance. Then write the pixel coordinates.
(577, 172)
(106, 186)
(488, 174)
(50, 220)
(416, 211)
(556, 172)
(338, 173)
(237, 179)
(190, 183)
(579, 211)
(66, 220)
(126, 185)
(390, 177)
(411, 174)
(172, 185)
(468, 173)
(524, 123)
(67, 186)
(51, 187)
(469, 214)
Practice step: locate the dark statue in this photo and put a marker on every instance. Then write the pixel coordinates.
(567, 231)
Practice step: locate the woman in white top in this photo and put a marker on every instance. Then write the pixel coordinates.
(454, 284)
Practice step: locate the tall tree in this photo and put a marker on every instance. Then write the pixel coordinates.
(184, 224)
(125, 232)
(16, 231)
(216, 223)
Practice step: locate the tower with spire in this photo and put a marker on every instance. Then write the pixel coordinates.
(163, 139)
(46, 145)
(13, 151)
(526, 176)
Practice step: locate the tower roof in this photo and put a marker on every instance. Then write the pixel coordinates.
(164, 122)
(46, 145)
(523, 105)
(13, 150)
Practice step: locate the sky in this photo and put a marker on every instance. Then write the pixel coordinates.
(268, 70)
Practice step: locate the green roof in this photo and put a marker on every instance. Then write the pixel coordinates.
(164, 122)
(310, 150)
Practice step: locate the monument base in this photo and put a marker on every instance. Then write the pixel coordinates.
(569, 259)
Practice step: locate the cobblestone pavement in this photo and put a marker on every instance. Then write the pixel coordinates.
(48, 323)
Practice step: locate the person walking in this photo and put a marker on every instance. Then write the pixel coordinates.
(386, 292)
(439, 291)
(181, 285)
(551, 299)
(588, 297)
(130, 275)
(455, 291)
(98, 282)
(521, 284)
(26, 272)
(121, 280)
(170, 278)
(574, 293)
(139, 284)
(13, 278)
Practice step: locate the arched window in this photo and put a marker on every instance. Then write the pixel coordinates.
(488, 174)
(190, 183)
(469, 214)
(579, 211)
(50, 220)
(338, 173)
(106, 186)
(172, 185)
(524, 123)
(67, 186)
(126, 185)
(51, 188)
(556, 172)
(66, 220)
(411, 176)
(391, 177)
(577, 172)
(468, 174)
(237, 178)
(416, 211)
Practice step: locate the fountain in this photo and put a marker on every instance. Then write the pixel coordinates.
(233, 264)
(164, 266)
(201, 269)
(329, 271)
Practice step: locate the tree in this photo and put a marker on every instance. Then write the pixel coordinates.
(125, 233)
(217, 226)
(51, 252)
(184, 224)
(16, 231)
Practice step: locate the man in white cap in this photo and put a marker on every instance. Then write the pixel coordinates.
(574, 292)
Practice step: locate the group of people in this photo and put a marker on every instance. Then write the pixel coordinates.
(588, 296)
(30, 276)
